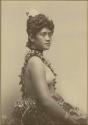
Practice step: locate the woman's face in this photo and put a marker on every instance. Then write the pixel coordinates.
(43, 39)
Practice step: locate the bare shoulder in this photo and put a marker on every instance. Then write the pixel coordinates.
(35, 62)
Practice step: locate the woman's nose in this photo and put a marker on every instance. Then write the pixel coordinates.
(47, 37)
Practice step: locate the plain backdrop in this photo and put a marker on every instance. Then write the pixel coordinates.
(68, 52)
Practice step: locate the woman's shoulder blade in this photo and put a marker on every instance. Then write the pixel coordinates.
(35, 62)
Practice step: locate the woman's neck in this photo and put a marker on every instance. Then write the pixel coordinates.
(37, 51)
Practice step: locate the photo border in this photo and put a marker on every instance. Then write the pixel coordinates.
(0, 45)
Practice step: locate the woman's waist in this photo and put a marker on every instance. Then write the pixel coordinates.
(30, 91)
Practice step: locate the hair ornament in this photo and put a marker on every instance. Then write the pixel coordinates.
(32, 13)
(27, 13)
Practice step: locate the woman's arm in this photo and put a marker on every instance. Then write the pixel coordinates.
(38, 76)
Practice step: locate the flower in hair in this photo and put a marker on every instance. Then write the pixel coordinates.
(32, 13)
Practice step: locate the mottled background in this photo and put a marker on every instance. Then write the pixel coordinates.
(68, 52)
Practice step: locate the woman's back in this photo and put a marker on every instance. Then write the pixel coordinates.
(49, 76)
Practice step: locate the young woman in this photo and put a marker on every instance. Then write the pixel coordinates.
(40, 104)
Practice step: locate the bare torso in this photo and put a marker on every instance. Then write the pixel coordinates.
(50, 80)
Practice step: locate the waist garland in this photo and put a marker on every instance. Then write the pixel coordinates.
(33, 104)
(31, 109)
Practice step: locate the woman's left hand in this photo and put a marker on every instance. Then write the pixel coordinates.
(80, 119)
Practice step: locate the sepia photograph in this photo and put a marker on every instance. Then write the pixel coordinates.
(44, 63)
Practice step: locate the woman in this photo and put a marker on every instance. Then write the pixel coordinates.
(40, 104)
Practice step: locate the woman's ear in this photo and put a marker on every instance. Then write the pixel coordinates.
(30, 37)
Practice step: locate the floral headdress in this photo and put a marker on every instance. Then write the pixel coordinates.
(32, 13)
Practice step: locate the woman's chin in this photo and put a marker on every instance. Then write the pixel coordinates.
(44, 48)
(47, 48)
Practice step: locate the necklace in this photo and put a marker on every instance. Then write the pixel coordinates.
(30, 54)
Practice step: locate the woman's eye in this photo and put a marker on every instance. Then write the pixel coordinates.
(43, 34)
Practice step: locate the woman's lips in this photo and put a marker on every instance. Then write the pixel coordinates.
(47, 43)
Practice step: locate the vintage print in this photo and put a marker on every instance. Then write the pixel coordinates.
(44, 63)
